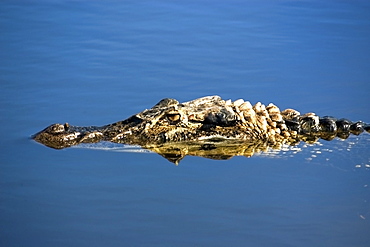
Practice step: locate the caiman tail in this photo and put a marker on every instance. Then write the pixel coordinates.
(326, 127)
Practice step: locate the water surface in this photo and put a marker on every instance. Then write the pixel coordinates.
(94, 63)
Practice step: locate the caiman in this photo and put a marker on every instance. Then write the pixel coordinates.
(208, 127)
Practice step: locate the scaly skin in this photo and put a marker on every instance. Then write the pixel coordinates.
(204, 120)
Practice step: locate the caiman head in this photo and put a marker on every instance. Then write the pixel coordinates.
(170, 121)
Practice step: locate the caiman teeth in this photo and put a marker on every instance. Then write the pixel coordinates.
(216, 137)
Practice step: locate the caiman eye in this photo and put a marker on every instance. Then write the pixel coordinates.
(173, 117)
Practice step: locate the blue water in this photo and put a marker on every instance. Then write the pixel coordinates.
(97, 62)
